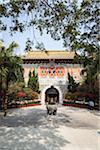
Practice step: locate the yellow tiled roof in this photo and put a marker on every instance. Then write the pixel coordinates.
(49, 55)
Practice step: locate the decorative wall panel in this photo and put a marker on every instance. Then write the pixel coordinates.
(51, 71)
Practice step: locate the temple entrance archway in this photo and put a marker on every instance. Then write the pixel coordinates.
(52, 95)
(45, 89)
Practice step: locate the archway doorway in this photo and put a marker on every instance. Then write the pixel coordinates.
(52, 95)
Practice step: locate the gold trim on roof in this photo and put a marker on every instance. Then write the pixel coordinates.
(49, 55)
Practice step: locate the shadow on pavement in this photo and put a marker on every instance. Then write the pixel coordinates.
(22, 131)
(38, 118)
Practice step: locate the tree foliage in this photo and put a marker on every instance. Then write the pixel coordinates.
(10, 70)
(90, 23)
(78, 26)
(59, 18)
(72, 85)
(33, 81)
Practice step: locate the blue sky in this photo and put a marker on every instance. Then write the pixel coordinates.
(21, 38)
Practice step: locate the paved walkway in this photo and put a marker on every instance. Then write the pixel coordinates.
(30, 128)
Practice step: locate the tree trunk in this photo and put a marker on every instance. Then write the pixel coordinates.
(5, 100)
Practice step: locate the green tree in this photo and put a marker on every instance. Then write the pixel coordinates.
(90, 43)
(33, 81)
(9, 70)
(77, 26)
(90, 23)
(59, 18)
(72, 85)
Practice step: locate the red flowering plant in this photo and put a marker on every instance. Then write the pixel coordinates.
(21, 95)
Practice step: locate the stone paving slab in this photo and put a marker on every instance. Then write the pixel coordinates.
(31, 128)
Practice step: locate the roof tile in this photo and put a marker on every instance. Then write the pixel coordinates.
(49, 55)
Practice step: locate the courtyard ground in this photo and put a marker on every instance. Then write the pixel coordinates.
(31, 129)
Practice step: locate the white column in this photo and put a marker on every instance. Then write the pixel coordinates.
(26, 76)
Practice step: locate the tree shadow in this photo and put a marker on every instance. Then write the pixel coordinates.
(94, 112)
(36, 118)
(29, 139)
(30, 130)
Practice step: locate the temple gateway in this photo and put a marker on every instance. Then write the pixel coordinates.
(52, 68)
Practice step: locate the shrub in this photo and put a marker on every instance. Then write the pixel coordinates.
(14, 89)
(70, 96)
(21, 94)
(35, 95)
(18, 92)
(30, 94)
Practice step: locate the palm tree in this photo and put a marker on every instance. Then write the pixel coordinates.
(10, 66)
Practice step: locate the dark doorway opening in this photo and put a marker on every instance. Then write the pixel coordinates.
(52, 95)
